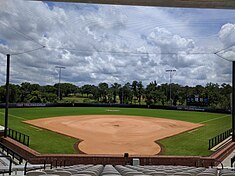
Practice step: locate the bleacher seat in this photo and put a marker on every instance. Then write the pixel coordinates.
(120, 170)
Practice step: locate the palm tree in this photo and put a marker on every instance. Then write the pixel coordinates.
(115, 90)
(140, 91)
(103, 91)
(134, 90)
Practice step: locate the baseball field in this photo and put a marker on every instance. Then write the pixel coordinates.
(118, 130)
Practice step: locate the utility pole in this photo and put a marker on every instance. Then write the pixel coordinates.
(170, 71)
(59, 94)
(7, 94)
(233, 102)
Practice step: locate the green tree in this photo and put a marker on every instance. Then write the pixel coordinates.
(134, 90)
(140, 91)
(66, 89)
(94, 90)
(49, 89)
(14, 93)
(225, 96)
(35, 97)
(213, 94)
(103, 91)
(127, 93)
(86, 89)
(151, 93)
(115, 91)
(25, 91)
(2, 94)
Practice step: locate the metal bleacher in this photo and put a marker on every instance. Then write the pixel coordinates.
(129, 170)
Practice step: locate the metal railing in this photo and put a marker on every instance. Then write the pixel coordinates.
(219, 138)
(11, 152)
(26, 169)
(10, 165)
(232, 161)
(18, 136)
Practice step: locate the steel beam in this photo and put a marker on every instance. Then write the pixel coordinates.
(214, 4)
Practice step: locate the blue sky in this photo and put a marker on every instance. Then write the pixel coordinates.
(3, 41)
(106, 43)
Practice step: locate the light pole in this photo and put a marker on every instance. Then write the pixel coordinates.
(170, 71)
(7, 94)
(233, 101)
(59, 67)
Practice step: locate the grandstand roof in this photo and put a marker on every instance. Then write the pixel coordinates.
(218, 4)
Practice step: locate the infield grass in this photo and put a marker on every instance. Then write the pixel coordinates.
(191, 143)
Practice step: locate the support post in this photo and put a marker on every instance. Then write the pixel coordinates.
(233, 103)
(7, 95)
(59, 94)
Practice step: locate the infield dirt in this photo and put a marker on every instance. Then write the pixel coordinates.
(115, 134)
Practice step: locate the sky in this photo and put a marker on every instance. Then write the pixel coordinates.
(111, 43)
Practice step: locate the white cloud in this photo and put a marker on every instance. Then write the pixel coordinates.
(98, 43)
(227, 37)
(227, 34)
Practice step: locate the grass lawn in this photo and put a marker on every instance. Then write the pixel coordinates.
(189, 143)
(76, 100)
(85, 99)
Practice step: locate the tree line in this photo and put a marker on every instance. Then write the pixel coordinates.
(218, 96)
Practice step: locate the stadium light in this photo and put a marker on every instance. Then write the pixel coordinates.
(59, 67)
(170, 71)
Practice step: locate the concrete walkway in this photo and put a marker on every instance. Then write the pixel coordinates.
(227, 161)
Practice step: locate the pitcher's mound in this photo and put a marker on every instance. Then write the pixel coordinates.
(115, 134)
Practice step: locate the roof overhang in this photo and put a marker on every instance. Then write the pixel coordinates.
(217, 4)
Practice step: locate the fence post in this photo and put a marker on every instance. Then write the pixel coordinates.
(16, 135)
(20, 138)
(28, 141)
(24, 140)
(12, 133)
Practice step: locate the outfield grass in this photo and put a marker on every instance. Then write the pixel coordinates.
(189, 143)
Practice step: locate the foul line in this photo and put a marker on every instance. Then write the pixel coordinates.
(214, 119)
(18, 117)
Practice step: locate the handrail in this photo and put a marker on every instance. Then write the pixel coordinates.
(25, 166)
(14, 154)
(232, 161)
(10, 165)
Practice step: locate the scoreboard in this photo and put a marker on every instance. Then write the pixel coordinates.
(197, 101)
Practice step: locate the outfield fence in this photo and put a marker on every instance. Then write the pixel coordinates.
(18, 136)
(180, 108)
(219, 138)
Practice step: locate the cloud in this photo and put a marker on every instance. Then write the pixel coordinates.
(227, 37)
(227, 34)
(98, 43)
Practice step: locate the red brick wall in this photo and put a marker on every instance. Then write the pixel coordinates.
(71, 159)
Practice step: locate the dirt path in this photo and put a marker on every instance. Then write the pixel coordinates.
(115, 134)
